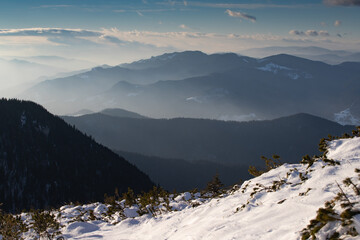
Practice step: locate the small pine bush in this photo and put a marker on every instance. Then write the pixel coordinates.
(129, 197)
(214, 186)
(45, 225)
(11, 227)
(269, 164)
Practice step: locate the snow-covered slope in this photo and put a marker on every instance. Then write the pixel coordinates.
(283, 203)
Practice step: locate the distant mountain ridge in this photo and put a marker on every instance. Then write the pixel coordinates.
(239, 143)
(313, 53)
(118, 112)
(44, 162)
(197, 85)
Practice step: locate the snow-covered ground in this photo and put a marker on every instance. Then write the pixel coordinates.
(276, 205)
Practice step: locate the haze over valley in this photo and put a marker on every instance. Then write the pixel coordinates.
(179, 119)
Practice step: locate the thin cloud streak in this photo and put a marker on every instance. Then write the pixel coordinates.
(235, 5)
(342, 2)
(48, 32)
(240, 15)
(143, 10)
(54, 6)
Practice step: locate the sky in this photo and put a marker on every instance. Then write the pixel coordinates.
(114, 31)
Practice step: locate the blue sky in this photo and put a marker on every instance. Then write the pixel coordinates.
(111, 31)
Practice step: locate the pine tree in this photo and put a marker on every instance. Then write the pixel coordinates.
(215, 185)
(129, 197)
(45, 225)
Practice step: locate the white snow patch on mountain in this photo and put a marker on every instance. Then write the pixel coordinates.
(346, 118)
(239, 118)
(294, 76)
(272, 67)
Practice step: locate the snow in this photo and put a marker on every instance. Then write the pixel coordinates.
(279, 204)
(238, 118)
(289, 72)
(168, 56)
(294, 76)
(344, 150)
(272, 67)
(346, 118)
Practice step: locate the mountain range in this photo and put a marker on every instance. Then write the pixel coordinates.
(313, 53)
(201, 139)
(218, 86)
(185, 153)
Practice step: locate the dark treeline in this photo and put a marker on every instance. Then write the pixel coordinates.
(44, 162)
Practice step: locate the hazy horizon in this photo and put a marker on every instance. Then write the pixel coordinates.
(43, 39)
(113, 32)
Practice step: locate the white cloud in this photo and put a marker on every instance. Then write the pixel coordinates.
(309, 33)
(54, 6)
(183, 26)
(63, 32)
(112, 46)
(312, 33)
(240, 15)
(324, 33)
(337, 23)
(296, 32)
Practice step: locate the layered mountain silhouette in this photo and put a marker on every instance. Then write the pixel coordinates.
(117, 112)
(313, 53)
(44, 162)
(185, 148)
(217, 86)
(181, 175)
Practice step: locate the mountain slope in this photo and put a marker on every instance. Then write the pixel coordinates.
(184, 175)
(44, 162)
(253, 212)
(218, 141)
(317, 199)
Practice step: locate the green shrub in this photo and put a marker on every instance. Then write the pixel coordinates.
(45, 225)
(269, 164)
(11, 227)
(214, 186)
(129, 197)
